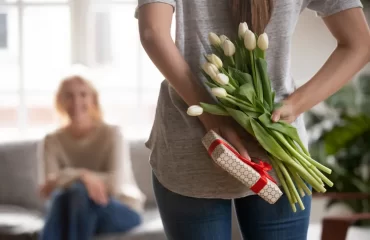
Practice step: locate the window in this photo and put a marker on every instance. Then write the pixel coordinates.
(41, 39)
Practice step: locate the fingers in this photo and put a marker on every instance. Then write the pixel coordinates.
(276, 115)
(103, 198)
(97, 192)
(233, 138)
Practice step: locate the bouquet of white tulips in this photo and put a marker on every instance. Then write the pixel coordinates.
(238, 78)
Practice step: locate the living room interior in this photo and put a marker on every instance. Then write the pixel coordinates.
(42, 40)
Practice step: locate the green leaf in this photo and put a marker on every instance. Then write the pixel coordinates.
(226, 103)
(265, 81)
(252, 114)
(281, 127)
(229, 89)
(246, 91)
(240, 76)
(259, 53)
(267, 141)
(218, 51)
(214, 109)
(232, 81)
(241, 118)
(210, 84)
(258, 82)
(260, 106)
(238, 59)
(351, 128)
(241, 104)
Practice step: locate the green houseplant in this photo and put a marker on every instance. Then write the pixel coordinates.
(343, 140)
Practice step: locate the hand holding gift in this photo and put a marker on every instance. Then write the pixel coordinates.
(238, 79)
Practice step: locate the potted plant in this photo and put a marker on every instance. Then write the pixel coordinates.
(340, 138)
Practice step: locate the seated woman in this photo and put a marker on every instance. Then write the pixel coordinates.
(89, 183)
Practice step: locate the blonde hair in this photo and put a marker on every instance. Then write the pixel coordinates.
(96, 114)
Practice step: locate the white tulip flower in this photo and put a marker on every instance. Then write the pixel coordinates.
(195, 111)
(243, 27)
(263, 42)
(214, 39)
(215, 60)
(229, 48)
(223, 38)
(222, 79)
(219, 92)
(210, 69)
(249, 40)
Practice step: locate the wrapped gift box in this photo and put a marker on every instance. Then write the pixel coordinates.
(254, 175)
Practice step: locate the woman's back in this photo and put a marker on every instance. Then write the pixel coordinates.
(191, 191)
(179, 159)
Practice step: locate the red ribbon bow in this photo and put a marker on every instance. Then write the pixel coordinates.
(262, 167)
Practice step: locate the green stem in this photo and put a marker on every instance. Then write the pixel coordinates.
(232, 60)
(323, 177)
(318, 165)
(252, 64)
(310, 170)
(231, 80)
(314, 175)
(243, 106)
(291, 184)
(298, 180)
(291, 149)
(305, 154)
(281, 178)
(307, 177)
(301, 145)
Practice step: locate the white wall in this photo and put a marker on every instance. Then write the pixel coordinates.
(312, 45)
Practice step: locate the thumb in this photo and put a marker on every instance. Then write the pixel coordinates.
(276, 115)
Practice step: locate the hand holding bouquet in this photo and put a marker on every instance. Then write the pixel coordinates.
(237, 76)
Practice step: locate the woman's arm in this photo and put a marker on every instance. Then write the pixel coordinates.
(350, 56)
(155, 21)
(119, 177)
(155, 33)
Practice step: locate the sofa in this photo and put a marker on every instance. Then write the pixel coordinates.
(21, 210)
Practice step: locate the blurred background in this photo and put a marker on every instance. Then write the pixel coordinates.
(41, 39)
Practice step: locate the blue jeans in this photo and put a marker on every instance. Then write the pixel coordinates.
(187, 218)
(74, 216)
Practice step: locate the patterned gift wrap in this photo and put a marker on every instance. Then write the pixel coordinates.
(254, 175)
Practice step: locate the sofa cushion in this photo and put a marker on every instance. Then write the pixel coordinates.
(139, 155)
(19, 223)
(18, 175)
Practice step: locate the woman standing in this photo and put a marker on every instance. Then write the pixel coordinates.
(87, 180)
(195, 196)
